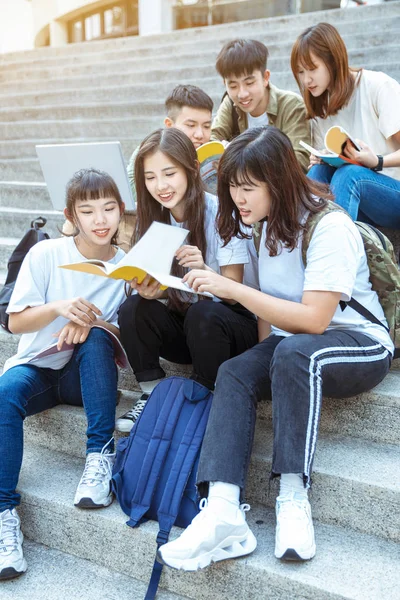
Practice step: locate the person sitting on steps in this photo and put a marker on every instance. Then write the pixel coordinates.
(186, 329)
(309, 348)
(253, 101)
(366, 104)
(47, 306)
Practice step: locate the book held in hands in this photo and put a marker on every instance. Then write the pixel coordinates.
(335, 141)
(153, 254)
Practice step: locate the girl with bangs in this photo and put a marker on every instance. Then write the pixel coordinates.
(66, 353)
(366, 104)
(182, 328)
(308, 347)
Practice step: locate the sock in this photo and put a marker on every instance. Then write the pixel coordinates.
(292, 483)
(148, 386)
(223, 498)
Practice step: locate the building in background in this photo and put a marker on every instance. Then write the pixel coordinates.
(16, 25)
(59, 22)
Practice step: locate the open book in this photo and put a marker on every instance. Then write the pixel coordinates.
(153, 254)
(208, 155)
(335, 141)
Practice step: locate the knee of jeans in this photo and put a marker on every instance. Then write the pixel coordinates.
(96, 338)
(346, 175)
(287, 357)
(13, 396)
(234, 368)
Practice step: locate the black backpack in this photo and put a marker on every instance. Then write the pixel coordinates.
(31, 237)
(235, 118)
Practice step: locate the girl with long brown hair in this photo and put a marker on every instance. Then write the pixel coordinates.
(181, 329)
(308, 347)
(366, 105)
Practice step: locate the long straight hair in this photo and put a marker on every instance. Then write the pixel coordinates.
(324, 42)
(180, 150)
(266, 155)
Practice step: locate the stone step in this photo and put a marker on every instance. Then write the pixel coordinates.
(348, 564)
(367, 58)
(7, 245)
(187, 55)
(352, 476)
(348, 23)
(57, 575)
(16, 221)
(25, 195)
(74, 128)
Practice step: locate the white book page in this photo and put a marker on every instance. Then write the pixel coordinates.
(155, 251)
(175, 282)
(312, 150)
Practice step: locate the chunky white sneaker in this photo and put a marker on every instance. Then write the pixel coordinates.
(12, 561)
(125, 422)
(209, 539)
(94, 489)
(294, 538)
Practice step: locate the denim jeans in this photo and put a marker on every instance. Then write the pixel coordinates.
(367, 196)
(208, 334)
(88, 379)
(294, 372)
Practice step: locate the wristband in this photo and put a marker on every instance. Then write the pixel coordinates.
(379, 166)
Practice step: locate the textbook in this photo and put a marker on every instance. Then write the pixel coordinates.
(153, 254)
(335, 141)
(208, 155)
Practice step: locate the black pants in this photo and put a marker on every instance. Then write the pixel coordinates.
(207, 335)
(295, 372)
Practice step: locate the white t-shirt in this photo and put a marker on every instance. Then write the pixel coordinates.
(372, 115)
(234, 253)
(260, 121)
(336, 262)
(41, 281)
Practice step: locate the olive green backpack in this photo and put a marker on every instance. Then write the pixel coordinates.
(382, 264)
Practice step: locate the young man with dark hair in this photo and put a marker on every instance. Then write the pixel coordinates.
(188, 109)
(253, 101)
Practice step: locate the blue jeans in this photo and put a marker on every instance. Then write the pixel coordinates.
(367, 196)
(88, 379)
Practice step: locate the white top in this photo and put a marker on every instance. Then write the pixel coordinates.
(372, 115)
(40, 281)
(336, 262)
(234, 253)
(260, 121)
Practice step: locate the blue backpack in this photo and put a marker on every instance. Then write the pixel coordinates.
(154, 475)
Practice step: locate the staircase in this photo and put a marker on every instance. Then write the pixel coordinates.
(115, 90)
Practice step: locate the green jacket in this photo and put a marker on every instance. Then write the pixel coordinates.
(131, 172)
(286, 111)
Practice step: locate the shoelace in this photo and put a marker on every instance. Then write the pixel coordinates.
(135, 411)
(98, 465)
(287, 504)
(8, 533)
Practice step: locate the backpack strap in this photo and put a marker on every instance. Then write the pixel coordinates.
(180, 471)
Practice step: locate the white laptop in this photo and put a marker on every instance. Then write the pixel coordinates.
(59, 162)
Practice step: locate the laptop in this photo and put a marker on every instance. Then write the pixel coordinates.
(59, 162)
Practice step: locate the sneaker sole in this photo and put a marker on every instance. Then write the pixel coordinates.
(231, 547)
(88, 503)
(290, 554)
(11, 573)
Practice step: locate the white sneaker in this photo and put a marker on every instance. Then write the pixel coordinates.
(209, 539)
(94, 489)
(294, 538)
(125, 422)
(12, 561)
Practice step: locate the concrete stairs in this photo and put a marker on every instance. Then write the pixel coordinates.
(115, 89)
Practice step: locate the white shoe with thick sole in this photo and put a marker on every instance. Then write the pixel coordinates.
(294, 538)
(126, 421)
(94, 489)
(209, 539)
(12, 561)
